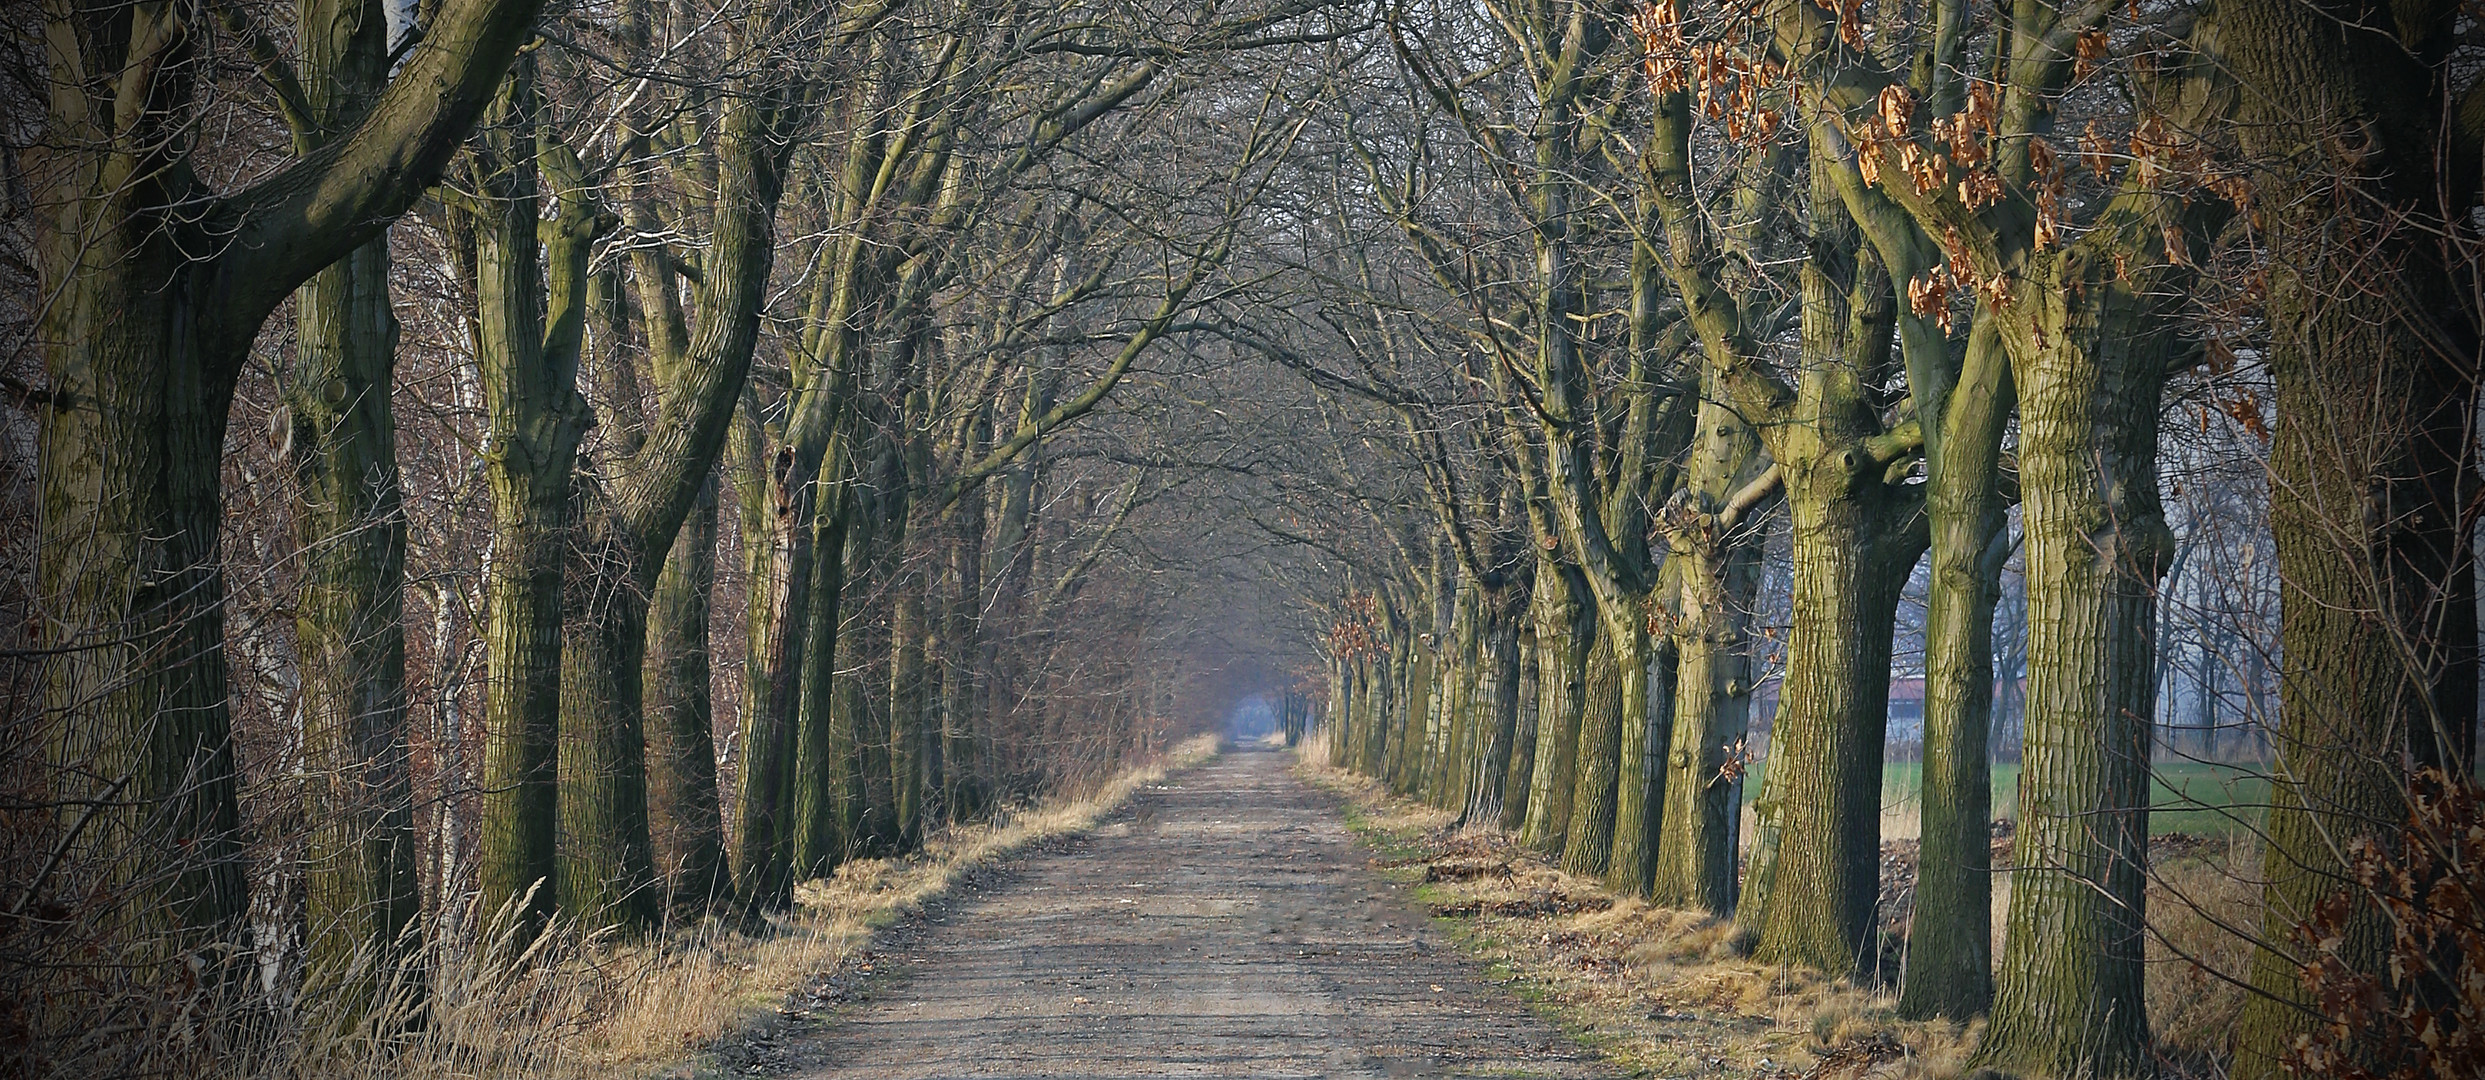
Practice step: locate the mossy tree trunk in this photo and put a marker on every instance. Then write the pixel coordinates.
(688, 841)
(1588, 848)
(529, 332)
(1963, 399)
(1716, 569)
(1565, 632)
(2372, 463)
(628, 519)
(360, 887)
(2068, 997)
(824, 795)
(156, 288)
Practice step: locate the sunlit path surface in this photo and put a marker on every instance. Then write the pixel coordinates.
(1227, 926)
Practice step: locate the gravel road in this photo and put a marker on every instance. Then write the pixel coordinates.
(1224, 924)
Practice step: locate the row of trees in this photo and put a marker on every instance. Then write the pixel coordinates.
(1625, 286)
(705, 376)
(801, 424)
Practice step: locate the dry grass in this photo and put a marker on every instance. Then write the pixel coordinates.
(1670, 993)
(1660, 992)
(2202, 901)
(583, 1008)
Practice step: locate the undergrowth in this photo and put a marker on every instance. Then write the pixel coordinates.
(579, 1006)
(1670, 993)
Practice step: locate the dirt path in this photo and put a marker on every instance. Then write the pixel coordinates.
(1223, 925)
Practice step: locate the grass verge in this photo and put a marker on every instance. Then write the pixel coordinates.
(691, 1001)
(1669, 993)
(1658, 992)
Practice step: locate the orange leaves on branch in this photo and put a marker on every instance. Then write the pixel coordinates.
(1925, 169)
(2423, 1013)
(1928, 294)
(1994, 290)
(2245, 408)
(1663, 53)
(1730, 85)
(2178, 247)
(2090, 52)
(1897, 110)
(2050, 189)
(2237, 190)
(1851, 23)
(2096, 154)
(1356, 633)
(1980, 188)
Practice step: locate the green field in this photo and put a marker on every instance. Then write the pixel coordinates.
(2191, 797)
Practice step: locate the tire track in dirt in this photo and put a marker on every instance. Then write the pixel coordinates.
(1225, 924)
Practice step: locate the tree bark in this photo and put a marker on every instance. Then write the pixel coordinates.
(1820, 802)
(144, 334)
(527, 346)
(361, 888)
(1948, 970)
(825, 792)
(2372, 463)
(779, 561)
(1717, 572)
(685, 826)
(1565, 631)
(1588, 849)
(2068, 996)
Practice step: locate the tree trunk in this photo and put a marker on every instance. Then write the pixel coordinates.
(1524, 696)
(873, 824)
(778, 561)
(825, 798)
(605, 865)
(1821, 794)
(529, 375)
(1565, 631)
(1588, 849)
(963, 737)
(2068, 997)
(2372, 466)
(361, 886)
(1818, 864)
(1497, 707)
(909, 763)
(1717, 572)
(155, 289)
(141, 739)
(1948, 969)
(684, 825)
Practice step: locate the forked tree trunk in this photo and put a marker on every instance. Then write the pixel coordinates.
(530, 292)
(360, 886)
